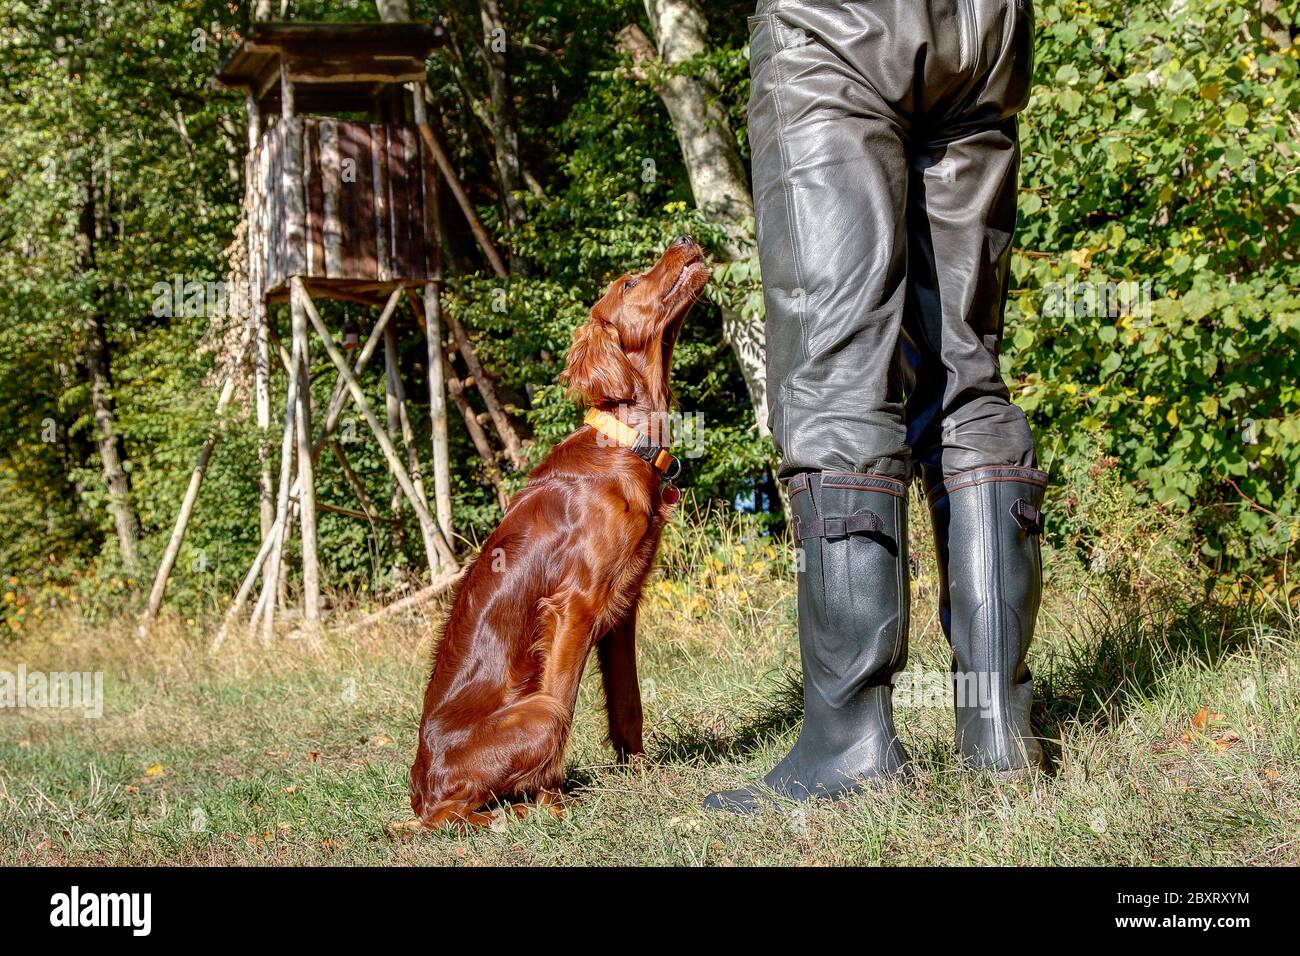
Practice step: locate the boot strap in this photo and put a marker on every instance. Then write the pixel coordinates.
(1027, 516)
(866, 523)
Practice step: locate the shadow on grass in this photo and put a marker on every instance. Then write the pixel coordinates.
(774, 713)
(1120, 656)
(1123, 653)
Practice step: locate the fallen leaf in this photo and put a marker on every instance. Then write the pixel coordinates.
(1204, 717)
(132, 789)
(1226, 739)
(154, 770)
(291, 789)
(1272, 774)
(313, 756)
(381, 740)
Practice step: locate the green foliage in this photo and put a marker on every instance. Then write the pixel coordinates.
(106, 105)
(1159, 175)
(621, 195)
(1158, 308)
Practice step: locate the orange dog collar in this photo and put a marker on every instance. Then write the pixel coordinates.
(658, 457)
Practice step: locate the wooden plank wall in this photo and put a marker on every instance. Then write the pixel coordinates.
(360, 209)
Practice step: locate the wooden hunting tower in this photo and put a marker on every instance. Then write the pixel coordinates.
(342, 180)
(347, 205)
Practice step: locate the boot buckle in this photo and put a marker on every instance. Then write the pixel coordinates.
(835, 528)
(1027, 516)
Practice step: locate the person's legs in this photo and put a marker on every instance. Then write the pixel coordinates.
(830, 180)
(829, 175)
(961, 219)
(987, 522)
(972, 445)
(853, 610)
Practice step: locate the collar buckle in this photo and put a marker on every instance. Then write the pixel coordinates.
(644, 449)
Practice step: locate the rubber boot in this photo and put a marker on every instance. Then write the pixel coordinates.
(987, 525)
(853, 607)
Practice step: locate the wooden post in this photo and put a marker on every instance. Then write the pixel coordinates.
(435, 361)
(286, 533)
(271, 579)
(435, 544)
(462, 200)
(436, 371)
(257, 304)
(306, 470)
(331, 424)
(173, 548)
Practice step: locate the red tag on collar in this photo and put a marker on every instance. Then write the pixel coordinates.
(671, 494)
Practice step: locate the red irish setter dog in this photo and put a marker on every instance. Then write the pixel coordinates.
(563, 571)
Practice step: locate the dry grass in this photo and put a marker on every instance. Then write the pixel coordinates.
(284, 755)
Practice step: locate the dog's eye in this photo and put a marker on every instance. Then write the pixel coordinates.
(631, 283)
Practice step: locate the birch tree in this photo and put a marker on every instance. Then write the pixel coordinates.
(713, 164)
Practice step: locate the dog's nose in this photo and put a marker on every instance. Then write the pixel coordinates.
(683, 241)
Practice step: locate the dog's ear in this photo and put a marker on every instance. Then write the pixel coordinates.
(598, 371)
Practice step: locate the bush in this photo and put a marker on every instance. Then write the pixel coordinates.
(1157, 313)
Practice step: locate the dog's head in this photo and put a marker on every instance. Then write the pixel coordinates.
(623, 353)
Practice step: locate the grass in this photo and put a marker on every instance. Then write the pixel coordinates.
(1173, 721)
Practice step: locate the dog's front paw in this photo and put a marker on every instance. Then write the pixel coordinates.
(404, 830)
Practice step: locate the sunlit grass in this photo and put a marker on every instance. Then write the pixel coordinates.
(1171, 718)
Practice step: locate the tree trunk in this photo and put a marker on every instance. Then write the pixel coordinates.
(393, 10)
(713, 163)
(505, 137)
(99, 371)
